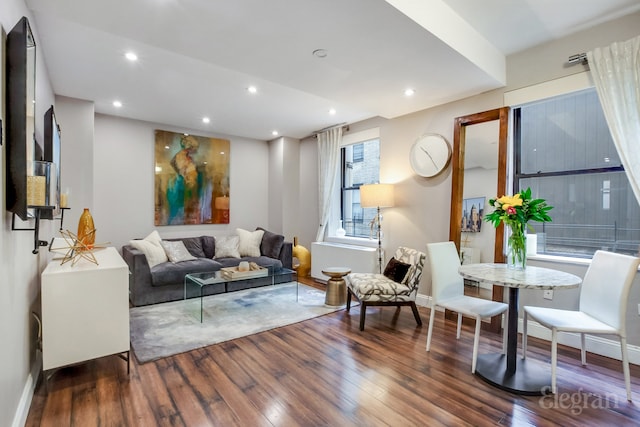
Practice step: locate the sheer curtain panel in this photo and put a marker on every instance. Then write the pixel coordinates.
(328, 164)
(616, 73)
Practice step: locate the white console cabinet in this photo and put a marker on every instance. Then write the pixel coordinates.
(85, 310)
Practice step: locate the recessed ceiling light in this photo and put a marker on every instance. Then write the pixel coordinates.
(409, 92)
(252, 89)
(206, 120)
(117, 104)
(332, 111)
(274, 133)
(320, 53)
(131, 56)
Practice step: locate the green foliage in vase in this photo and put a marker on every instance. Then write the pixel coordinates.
(515, 212)
(519, 208)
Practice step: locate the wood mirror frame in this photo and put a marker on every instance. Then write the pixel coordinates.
(457, 184)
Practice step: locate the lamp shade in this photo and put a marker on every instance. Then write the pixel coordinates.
(376, 195)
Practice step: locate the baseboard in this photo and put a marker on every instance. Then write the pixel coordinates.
(423, 300)
(594, 344)
(22, 411)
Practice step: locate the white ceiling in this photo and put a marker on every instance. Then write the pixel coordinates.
(197, 57)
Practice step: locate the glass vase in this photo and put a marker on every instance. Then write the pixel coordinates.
(517, 246)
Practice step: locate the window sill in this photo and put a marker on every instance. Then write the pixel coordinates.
(355, 241)
(556, 259)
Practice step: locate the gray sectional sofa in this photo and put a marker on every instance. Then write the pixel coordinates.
(165, 281)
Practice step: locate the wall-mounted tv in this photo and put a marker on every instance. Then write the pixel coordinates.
(52, 144)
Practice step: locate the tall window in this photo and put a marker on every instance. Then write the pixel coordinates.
(360, 165)
(564, 152)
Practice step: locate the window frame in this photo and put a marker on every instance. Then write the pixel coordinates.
(517, 176)
(352, 138)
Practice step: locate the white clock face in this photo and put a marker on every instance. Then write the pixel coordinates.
(430, 155)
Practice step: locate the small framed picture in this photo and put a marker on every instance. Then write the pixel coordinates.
(472, 214)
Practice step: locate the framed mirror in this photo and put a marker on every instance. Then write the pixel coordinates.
(480, 156)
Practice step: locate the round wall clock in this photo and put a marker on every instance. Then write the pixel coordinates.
(430, 155)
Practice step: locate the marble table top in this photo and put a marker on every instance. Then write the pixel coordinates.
(529, 278)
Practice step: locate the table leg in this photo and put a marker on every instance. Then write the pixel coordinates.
(201, 297)
(512, 330)
(509, 373)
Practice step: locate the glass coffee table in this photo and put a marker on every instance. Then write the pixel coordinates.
(194, 283)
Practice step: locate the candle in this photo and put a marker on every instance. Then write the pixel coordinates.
(36, 190)
(63, 200)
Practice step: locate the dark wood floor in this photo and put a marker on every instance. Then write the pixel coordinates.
(325, 372)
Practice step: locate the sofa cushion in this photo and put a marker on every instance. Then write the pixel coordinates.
(227, 247)
(168, 273)
(208, 246)
(377, 287)
(176, 251)
(271, 244)
(152, 249)
(249, 242)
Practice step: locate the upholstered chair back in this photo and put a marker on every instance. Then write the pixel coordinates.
(414, 258)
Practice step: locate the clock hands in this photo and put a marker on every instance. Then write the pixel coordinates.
(432, 161)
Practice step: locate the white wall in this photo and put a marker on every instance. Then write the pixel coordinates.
(76, 120)
(19, 268)
(284, 186)
(123, 183)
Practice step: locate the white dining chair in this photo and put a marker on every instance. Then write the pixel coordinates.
(602, 310)
(447, 291)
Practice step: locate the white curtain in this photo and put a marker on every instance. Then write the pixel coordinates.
(328, 166)
(616, 74)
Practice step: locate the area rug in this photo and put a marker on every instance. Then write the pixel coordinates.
(166, 329)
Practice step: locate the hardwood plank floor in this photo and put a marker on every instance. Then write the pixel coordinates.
(325, 372)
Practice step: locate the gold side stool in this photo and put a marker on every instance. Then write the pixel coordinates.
(336, 295)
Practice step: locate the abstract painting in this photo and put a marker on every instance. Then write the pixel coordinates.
(191, 179)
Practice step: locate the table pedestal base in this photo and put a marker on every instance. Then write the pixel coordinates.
(531, 378)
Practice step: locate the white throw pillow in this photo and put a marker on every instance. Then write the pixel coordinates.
(227, 247)
(176, 251)
(151, 248)
(249, 242)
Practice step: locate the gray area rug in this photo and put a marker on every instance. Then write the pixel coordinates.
(166, 329)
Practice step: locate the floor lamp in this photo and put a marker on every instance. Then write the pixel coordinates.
(377, 196)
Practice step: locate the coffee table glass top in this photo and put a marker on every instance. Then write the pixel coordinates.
(200, 280)
(213, 277)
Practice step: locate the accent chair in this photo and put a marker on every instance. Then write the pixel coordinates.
(373, 289)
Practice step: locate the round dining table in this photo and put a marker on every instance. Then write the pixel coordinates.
(507, 371)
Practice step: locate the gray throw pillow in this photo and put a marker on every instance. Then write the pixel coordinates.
(271, 244)
(194, 246)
